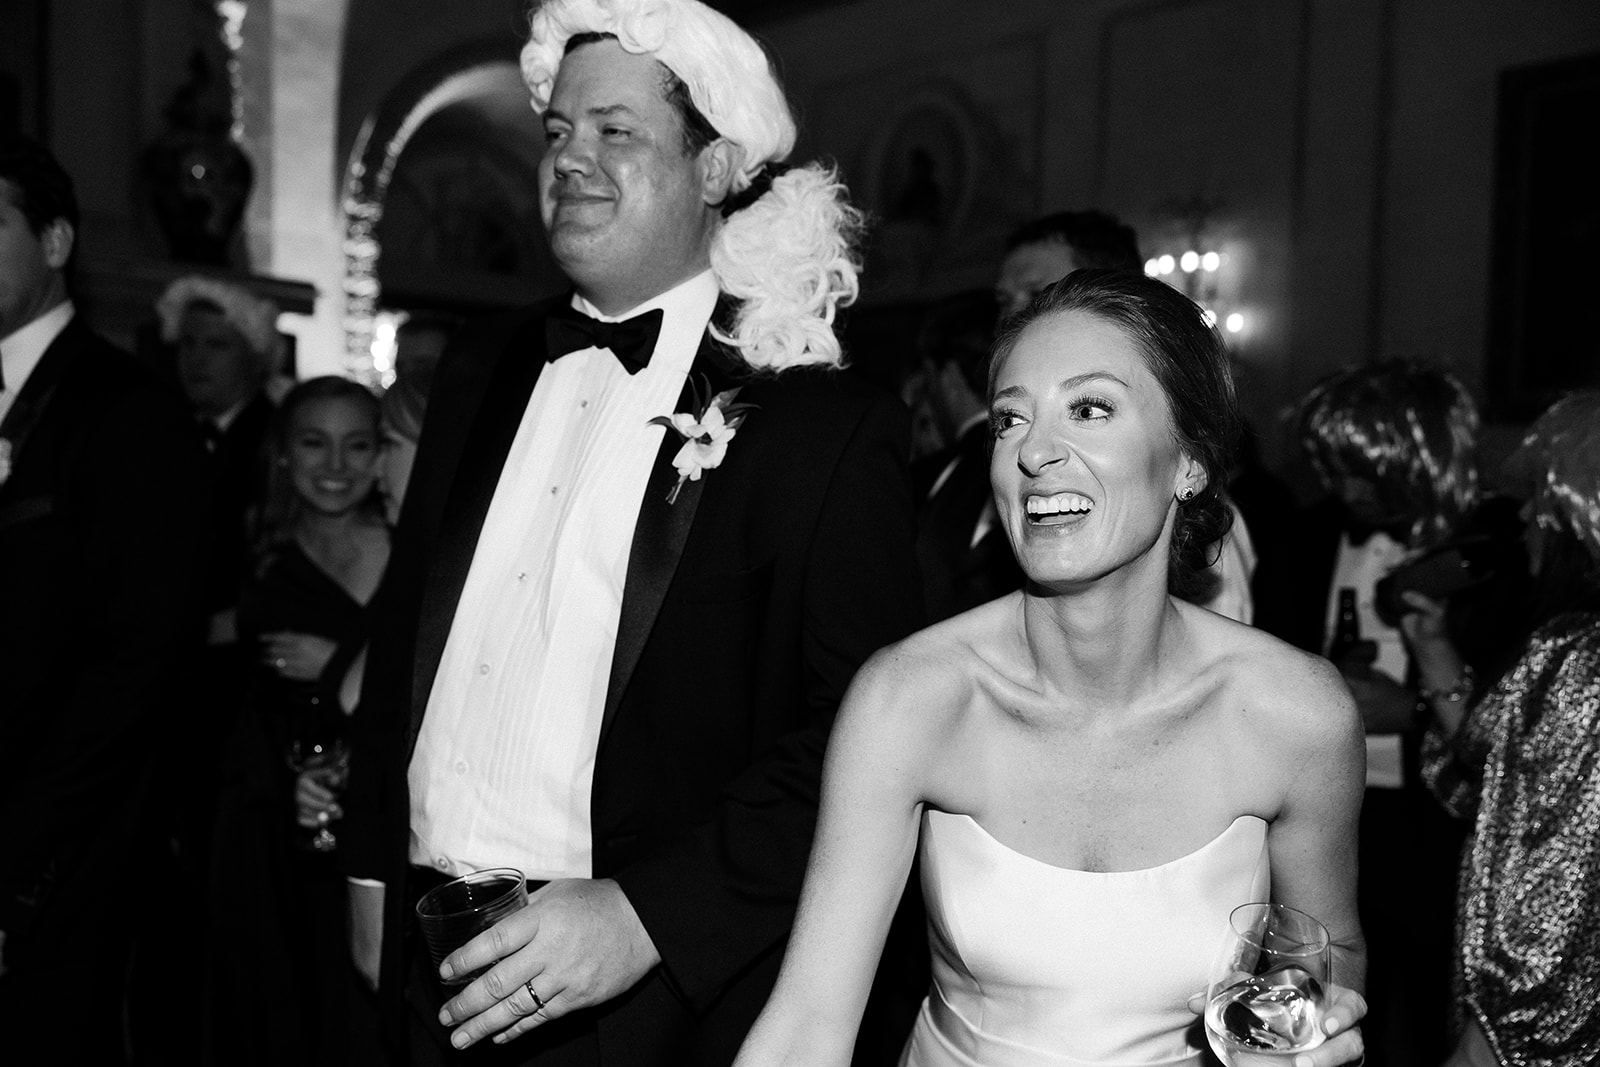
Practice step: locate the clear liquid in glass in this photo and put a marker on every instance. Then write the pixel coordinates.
(1266, 1019)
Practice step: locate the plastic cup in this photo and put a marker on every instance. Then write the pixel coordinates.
(454, 913)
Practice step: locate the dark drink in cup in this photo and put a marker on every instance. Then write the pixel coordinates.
(454, 913)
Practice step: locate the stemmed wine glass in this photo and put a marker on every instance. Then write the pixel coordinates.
(317, 744)
(1266, 997)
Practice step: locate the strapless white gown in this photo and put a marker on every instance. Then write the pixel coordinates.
(1040, 966)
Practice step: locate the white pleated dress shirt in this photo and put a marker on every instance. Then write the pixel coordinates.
(505, 758)
(1361, 567)
(22, 350)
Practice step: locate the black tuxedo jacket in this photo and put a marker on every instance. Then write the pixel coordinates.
(748, 606)
(102, 532)
(957, 574)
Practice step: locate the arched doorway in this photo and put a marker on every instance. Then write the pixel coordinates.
(441, 199)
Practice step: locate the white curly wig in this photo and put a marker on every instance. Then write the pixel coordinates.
(788, 254)
(256, 318)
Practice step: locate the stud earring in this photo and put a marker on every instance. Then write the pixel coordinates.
(1186, 494)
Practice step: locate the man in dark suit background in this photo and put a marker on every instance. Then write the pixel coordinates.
(963, 556)
(101, 525)
(226, 346)
(613, 649)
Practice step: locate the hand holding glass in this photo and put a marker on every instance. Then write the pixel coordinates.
(1267, 996)
(454, 913)
(323, 753)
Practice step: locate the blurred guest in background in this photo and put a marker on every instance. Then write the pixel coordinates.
(318, 795)
(280, 967)
(419, 342)
(403, 406)
(1524, 763)
(962, 554)
(1394, 446)
(1048, 249)
(401, 411)
(226, 345)
(101, 527)
(1272, 511)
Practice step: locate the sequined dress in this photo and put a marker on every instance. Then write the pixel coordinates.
(1526, 765)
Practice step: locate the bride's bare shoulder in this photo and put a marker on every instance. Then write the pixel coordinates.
(933, 675)
(1269, 677)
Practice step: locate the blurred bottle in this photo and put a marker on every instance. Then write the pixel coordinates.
(1348, 651)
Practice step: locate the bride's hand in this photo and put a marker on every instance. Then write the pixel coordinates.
(1345, 1045)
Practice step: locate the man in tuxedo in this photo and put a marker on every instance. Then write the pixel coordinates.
(964, 557)
(101, 525)
(613, 648)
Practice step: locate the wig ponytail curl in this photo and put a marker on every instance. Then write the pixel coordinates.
(789, 257)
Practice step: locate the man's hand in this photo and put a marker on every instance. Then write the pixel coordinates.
(578, 943)
(366, 930)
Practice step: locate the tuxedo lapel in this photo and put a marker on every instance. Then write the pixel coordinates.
(662, 528)
(493, 423)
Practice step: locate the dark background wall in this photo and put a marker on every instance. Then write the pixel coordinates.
(1345, 155)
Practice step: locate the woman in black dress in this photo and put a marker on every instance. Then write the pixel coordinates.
(278, 903)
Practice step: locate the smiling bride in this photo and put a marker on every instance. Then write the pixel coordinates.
(1095, 772)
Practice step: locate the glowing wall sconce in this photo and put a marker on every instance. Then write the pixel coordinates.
(1196, 273)
(385, 344)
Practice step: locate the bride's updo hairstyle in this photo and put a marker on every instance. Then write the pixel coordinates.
(1189, 360)
(786, 251)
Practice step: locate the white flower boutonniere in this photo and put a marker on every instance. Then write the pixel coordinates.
(5, 460)
(706, 432)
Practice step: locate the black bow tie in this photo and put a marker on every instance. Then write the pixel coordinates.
(631, 341)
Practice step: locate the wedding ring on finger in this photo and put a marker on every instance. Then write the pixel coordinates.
(281, 663)
(538, 1001)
